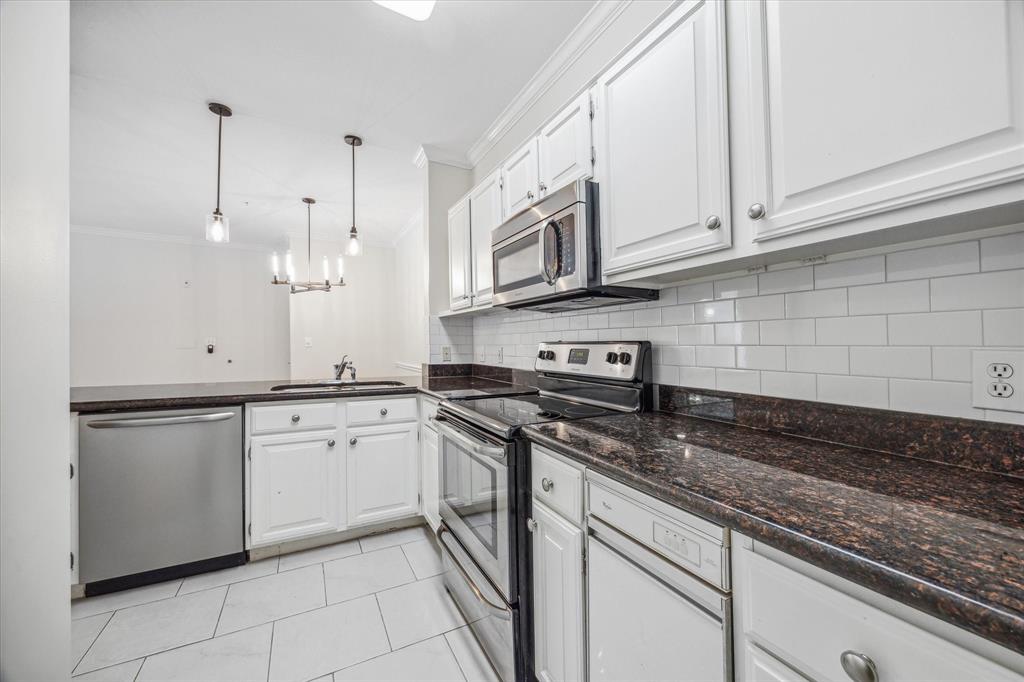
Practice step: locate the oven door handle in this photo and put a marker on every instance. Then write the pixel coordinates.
(495, 453)
(502, 611)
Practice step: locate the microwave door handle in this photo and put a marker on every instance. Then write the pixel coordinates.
(473, 446)
(547, 275)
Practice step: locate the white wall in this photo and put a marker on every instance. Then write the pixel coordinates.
(357, 319)
(34, 444)
(410, 302)
(142, 310)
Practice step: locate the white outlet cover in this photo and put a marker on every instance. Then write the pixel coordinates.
(980, 379)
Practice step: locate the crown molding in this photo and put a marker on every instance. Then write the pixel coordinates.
(114, 233)
(429, 152)
(590, 28)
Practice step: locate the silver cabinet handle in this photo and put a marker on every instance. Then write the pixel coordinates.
(529, 195)
(383, 411)
(756, 211)
(858, 667)
(713, 222)
(159, 421)
(543, 187)
(330, 443)
(295, 419)
(353, 440)
(547, 484)
(531, 525)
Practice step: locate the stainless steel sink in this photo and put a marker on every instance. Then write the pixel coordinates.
(340, 386)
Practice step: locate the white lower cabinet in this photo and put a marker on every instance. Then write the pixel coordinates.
(759, 666)
(557, 597)
(294, 486)
(382, 468)
(429, 477)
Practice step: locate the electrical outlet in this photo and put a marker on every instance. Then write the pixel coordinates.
(309, 342)
(997, 380)
(446, 353)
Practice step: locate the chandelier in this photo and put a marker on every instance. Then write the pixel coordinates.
(289, 265)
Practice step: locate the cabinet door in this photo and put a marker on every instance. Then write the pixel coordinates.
(557, 597)
(519, 180)
(661, 137)
(935, 108)
(295, 486)
(459, 267)
(383, 473)
(485, 215)
(759, 666)
(564, 147)
(429, 473)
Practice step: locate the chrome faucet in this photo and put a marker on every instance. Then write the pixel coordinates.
(340, 367)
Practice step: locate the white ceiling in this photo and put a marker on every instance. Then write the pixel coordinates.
(298, 75)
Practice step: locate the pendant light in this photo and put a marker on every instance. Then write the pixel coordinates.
(289, 265)
(217, 222)
(354, 246)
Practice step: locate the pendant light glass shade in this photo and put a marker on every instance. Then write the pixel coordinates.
(217, 223)
(217, 229)
(354, 246)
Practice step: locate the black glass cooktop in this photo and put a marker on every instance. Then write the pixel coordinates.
(515, 411)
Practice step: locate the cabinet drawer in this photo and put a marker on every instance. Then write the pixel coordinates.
(558, 485)
(809, 625)
(677, 537)
(381, 411)
(293, 417)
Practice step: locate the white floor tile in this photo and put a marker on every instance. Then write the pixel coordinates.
(319, 555)
(123, 672)
(240, 656)
(82, 608)
(470, 656)
(332, 638)
(83, 634)
(429, 660)
(418, 611)
(237, 574)
(395, 537)
(150, 628)
(365, 574)
(424, 558)
(269, 598)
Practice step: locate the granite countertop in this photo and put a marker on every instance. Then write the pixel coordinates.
(943, 539)
(171, 396)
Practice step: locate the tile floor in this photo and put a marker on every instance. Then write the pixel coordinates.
(368, 609)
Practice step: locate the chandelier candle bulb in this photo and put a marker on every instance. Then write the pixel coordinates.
(327, 270)
(275, 266)
(341, 268)
(289, 266)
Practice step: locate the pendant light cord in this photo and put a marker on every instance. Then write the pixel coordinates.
(309, 242)
(220, 127)
(353, 186)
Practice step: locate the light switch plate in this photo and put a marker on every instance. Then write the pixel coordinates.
(997, 379)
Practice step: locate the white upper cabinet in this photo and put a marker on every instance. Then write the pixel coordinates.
(519, 179)
(564, 147)
(459, 255)
(840, 129)
(485, 215)
(661, 137)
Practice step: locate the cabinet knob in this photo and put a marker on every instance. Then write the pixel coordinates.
(756, 211)
(330, 443)
(858, 666)
(529, 195)
(353, 440)
(547, 484)
(531, 525)
(713, 222)
(543, 187)
(383, 411)
(295, 419)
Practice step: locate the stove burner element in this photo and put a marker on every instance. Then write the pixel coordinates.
(551, 414)
(584, 411)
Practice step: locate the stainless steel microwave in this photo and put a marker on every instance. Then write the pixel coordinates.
(548, 257)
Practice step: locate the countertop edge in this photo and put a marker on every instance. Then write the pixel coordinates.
(985, 621)
(93, 406)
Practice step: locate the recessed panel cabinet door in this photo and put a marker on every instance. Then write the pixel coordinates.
(519, 179)
(459, 264)
(857, 108)
(295, 486)
(557, 597)
(383, 480)
(485, 215)
(661, 137)
(564, 147)
(429, 470)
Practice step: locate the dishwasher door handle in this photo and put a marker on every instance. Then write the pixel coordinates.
(159, 421)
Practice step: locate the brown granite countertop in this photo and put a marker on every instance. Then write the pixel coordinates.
(172, 396)
(943, 539)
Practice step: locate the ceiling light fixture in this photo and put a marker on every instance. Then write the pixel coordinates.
(418, 10)
(217, 222)
(289, 264)
(354, 247)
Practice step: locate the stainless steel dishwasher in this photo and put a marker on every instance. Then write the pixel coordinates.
(161, 495)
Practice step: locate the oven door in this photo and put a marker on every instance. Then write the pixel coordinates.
(474, 492)
(545, 258)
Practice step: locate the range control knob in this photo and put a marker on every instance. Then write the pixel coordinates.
(625, 358)
(541, 355)
(611, 358)
(549, 355)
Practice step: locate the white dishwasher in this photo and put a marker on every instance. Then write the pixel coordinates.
(658, 606)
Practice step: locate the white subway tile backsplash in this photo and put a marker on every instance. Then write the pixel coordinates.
(824, 359)
(717, 311)
(1003, 327)
(716, 356)
(736, 287)
(761, 357)
(951, 364)
(662, 335)
(867, 330)
(694, 334)
(666, 297)
(738, 380)
(782, 281)
(677, 355)
(898, 297)
(666, 374)
(691, 293)
(909, 363)
(789, 385)
(850, 390)
(737, 332)
(597, 321)
(1004, 289)
(821, 303)
(697, 377)
(933, 261)
(677, 314)
(787, 332)
(761, 308)
(921, 329)
(1003, 253)
(622, 318)
(649, 317)
(848, 273)
(946, 398)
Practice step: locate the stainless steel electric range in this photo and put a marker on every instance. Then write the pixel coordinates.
(485, 483)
